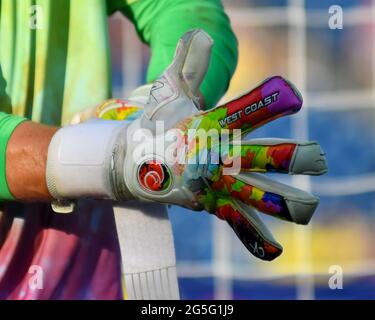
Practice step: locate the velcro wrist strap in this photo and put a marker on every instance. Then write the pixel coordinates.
(82, 159)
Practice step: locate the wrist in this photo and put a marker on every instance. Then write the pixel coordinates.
(8, 123)
(26, 158)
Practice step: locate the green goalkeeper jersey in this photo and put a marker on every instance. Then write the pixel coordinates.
(55, 58)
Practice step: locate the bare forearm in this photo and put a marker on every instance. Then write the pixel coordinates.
(26, 158)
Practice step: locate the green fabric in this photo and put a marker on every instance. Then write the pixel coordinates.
(54, 71)
(161, 23)
(7, 125)
(50, 73)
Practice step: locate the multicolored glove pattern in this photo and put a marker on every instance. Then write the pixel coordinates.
(235, 197)
(208, 178)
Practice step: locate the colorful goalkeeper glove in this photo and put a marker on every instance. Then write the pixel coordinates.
(173, 164)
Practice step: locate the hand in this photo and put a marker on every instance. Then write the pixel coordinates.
(149, 165)
(236, 197)
(232, 197)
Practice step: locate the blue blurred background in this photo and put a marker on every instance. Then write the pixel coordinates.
(335, 70)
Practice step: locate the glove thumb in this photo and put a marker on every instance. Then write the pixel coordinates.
(191, 60)
(181, 81)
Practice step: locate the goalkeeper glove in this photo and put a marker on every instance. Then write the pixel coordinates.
(118, 160)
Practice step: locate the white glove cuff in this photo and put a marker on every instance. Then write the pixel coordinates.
(83, 159)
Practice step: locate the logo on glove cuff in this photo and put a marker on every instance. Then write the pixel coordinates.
(154, 176)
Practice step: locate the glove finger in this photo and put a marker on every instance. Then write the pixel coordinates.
(180, 82)
(280, 155)
(191, 59)
(268, 196)
(274, 98)
(112, 109)
(249, 228)
(119, 109)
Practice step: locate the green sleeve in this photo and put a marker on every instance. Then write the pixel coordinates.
(160, 23)
(8, 123)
